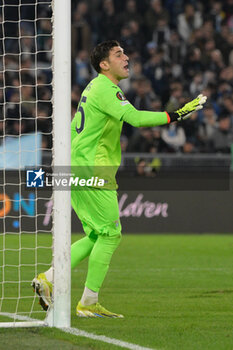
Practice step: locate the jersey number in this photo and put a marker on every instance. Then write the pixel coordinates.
(81, 110)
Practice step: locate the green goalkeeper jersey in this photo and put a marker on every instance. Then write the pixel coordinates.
(96, 127)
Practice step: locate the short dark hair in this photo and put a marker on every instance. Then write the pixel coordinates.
(101, 52)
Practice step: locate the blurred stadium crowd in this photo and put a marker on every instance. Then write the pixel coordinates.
(26, 69)
(176, 48)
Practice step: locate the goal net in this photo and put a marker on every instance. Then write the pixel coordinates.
(32, 231)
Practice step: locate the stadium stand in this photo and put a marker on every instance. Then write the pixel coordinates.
(177, 49)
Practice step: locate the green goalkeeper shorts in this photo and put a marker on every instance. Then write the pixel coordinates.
(98, 211)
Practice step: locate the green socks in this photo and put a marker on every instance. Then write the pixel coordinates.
(99, 260)
(100, 252)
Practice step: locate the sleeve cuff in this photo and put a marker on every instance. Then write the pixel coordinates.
(168, 118)
(173, 116)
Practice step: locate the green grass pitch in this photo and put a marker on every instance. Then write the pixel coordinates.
(176, 292)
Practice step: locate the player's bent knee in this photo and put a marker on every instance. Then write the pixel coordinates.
(117, 239)
(111, 240)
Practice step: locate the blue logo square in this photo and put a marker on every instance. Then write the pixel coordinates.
(35, 178)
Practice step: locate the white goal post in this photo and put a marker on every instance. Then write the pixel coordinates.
(62, 140)
(25, 250)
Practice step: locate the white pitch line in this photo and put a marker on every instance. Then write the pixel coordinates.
(103, 338)
(19, 317)
(80, 333)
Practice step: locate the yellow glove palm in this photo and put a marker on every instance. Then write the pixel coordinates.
(191, 107)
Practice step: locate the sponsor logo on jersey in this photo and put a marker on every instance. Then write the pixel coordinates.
(123, 103)
(120, 96)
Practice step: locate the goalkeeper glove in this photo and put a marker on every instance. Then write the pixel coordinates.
(188, 109)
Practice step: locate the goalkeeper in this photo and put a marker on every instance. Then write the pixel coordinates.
(95, 132)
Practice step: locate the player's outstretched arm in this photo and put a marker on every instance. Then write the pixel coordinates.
(147, 118)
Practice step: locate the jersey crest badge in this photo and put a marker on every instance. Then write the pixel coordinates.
(120, 96)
